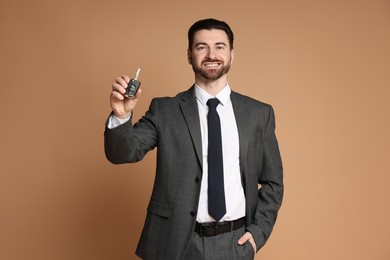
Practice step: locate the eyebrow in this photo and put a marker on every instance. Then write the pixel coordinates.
(203, 43)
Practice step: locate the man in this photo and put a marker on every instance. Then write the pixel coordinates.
(211, 156)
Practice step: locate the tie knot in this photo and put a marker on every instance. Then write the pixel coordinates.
(212, 102)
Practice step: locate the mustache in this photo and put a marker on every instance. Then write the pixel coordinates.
(211, 60)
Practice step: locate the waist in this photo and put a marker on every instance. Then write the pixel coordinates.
(215, 228)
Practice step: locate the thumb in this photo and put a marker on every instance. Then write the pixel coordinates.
(244, 238)
(129, 103)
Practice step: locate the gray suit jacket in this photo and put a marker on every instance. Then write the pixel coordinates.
(172, 125)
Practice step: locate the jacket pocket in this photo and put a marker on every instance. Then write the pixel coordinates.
(158, 208)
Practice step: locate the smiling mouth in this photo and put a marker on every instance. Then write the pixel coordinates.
(212, 65)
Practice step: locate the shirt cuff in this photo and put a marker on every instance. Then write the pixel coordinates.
(113, 121)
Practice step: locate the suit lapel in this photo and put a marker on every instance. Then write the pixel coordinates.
(240, 114)
(190, 112)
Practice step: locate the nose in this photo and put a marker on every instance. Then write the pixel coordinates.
(211, 54)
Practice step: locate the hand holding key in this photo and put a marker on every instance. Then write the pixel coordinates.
(124, 96)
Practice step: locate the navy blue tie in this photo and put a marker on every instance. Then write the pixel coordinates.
(216, 191)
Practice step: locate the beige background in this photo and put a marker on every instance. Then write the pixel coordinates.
(323, 65)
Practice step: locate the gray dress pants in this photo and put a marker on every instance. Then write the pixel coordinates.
(220, 247)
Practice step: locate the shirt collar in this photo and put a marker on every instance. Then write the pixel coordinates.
(223, 95)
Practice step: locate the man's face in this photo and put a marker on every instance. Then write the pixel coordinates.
(210, 55)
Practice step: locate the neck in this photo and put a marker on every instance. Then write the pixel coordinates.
(211, 86)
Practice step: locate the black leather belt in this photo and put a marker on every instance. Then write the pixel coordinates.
(215, 228)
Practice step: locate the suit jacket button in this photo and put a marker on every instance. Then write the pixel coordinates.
(197, 179)
(193, 213)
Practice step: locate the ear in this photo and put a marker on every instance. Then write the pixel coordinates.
(189, 56)
(231, 56)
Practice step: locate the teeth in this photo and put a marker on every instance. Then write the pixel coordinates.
(211, 65)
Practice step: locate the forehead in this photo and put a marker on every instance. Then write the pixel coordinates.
(210, 36)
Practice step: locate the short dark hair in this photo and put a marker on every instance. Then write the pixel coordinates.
(209, 24)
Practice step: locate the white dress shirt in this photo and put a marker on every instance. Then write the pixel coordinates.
(234, 192)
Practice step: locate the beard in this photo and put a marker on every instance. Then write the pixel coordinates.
(211, 74)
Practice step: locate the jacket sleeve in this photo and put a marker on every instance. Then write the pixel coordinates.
(127, 143)
(270, 194)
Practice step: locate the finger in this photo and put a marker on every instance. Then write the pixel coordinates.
(126, 79)
(121, 81)
(253, 243)
(244, 238)
(119, 88)
(117, 95)
(248, 237)
(134, 99)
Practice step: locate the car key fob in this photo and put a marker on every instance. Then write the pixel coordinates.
(133, 86)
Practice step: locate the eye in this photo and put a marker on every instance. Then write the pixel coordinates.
(200, 47)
